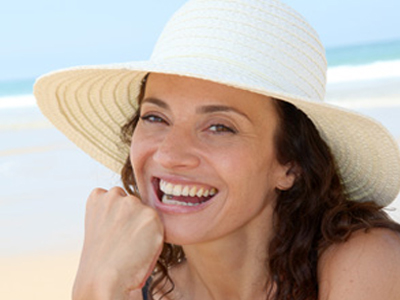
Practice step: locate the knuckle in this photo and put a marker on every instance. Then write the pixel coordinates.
(150, 219)
(149, 213)
(159, 238)
(97, 192)
(133, 199)
(117, 191)
(94, 196)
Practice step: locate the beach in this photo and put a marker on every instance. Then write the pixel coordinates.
(45, 181)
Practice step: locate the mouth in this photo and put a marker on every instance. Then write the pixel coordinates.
(182, 194)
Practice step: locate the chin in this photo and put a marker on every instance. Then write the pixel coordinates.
(183, 235)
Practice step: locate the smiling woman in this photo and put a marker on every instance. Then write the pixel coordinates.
(206, 158)
(239, 182)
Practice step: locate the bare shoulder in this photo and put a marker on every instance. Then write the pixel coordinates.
(366, 267)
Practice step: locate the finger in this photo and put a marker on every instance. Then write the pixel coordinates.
(117, 191)
(95, 194)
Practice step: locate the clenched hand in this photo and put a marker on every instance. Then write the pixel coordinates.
(123, 239)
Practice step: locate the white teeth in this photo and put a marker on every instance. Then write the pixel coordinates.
(192, 192)
(185, 190)
(162, 185)
(168, 188)
(200, 192)
(165, 199)
(177, 190)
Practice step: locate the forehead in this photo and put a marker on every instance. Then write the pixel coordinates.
(184, 90)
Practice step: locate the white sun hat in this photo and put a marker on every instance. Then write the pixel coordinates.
(262, 46)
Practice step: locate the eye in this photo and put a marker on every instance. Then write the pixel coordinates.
(152, 119)
(221, 128)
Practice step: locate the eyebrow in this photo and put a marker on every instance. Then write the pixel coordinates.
(219, 108)
(156, 101)
(205, 109)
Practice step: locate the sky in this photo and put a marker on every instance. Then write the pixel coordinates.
(38, 36)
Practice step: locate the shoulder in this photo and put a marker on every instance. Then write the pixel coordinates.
(366, 267)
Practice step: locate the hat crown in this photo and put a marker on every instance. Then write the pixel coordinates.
(261, 43)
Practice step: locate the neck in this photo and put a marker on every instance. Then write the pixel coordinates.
(233, 267)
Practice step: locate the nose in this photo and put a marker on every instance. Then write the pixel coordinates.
(177, 150)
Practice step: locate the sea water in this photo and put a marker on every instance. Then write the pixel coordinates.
(363, 62)
(347, 64)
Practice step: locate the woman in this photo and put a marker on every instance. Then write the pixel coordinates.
(239, 183)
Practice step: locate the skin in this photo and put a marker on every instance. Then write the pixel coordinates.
(183, 139)
(367, 267)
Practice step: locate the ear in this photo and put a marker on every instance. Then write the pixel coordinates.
(290, 172)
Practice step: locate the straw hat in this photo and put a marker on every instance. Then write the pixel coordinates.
(262, 46)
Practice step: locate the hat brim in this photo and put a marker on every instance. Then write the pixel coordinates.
(90, 105)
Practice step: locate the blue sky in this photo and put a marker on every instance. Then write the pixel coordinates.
(37, 36)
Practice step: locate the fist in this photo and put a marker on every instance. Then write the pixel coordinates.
(123, 240)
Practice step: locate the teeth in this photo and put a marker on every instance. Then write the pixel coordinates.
(168, 188)
(177, 190)
(200, 192)
(165, 199)
(185, 190)
(162, 185)
(192, 192)
(213, 191)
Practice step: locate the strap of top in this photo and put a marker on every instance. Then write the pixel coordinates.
(145, 289)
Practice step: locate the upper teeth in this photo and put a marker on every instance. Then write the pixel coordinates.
(185, 190)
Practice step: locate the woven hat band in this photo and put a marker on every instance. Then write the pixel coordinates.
(266, 40)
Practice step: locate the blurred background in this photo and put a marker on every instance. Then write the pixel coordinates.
(45, 179)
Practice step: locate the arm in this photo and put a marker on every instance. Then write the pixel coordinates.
(366, 267)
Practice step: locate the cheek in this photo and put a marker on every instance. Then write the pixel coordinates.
(253, 173)
(247, 160)
(139, 150)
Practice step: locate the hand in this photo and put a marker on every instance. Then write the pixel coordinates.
(123, 240)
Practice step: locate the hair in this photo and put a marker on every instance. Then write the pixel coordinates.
(309, 217)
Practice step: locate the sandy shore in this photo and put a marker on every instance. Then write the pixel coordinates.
(44, 184)
(41, 276)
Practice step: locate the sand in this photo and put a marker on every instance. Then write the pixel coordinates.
(44, 184)
(38, 276)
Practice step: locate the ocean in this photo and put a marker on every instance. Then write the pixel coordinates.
(365, 54)
(364, 62)
(352, 63)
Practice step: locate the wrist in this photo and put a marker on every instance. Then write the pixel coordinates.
(99, 288)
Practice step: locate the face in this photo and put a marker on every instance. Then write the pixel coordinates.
(203, 156)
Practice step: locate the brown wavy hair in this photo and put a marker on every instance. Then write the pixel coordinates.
(309, 217)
